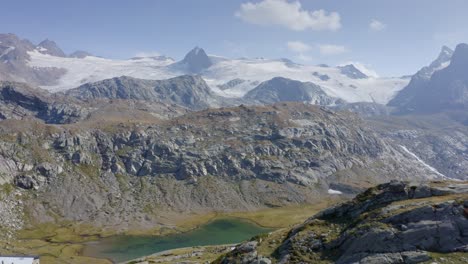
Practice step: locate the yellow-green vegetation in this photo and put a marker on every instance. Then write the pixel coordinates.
(408, 205)
(284, 216)
(268, 244)
(448, 258)
(54, 243)
(6, 189)
(186, 255)
(63, 242)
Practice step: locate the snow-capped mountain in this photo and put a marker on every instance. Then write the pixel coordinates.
(194, 62)
(352, 72)
(231, 78)
(331, 79)
(51, 48)
(14, 60)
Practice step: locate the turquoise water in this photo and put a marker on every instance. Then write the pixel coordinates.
(217, 232)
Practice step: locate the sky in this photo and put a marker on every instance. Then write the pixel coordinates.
(392, 38)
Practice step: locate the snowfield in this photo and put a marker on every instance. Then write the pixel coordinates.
(93, 69)
(251, 71)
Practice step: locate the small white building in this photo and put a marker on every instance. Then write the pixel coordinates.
(19, 259)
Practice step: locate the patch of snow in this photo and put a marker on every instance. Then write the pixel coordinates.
(8, 50)
(442, 66)
(379, 90)
(93, 69)
(41, 49)
(423, 163)
(254, 71)
(17, 260)
(331, 191)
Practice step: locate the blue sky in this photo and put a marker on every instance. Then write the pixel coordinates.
(404, 36)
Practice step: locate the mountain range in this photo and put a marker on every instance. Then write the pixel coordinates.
(120, 145)
(235, 76)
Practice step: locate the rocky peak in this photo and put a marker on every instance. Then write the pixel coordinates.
(197, 60)
(352, 72)
(460, 57)
(51, 48)
(418, 86)
(80, 54)
(186, 90)
(12, 48)
(281, 89)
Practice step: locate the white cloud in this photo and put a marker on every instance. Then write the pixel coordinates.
(377, 25)
(328, 49)
(288, 14)
(298, 46)
(364, 68)
(145, 54)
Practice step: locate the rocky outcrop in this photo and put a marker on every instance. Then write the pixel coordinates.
(221, 159)
(49, 47)
(281, 89)
(196, 60)
(245, 253)
(365, 109)
(396, 222)
(352, 72)
(188, 91)
(20, 101)
(440, 140)
(446, 89)
(420, 80)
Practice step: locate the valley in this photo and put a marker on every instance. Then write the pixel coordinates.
(219, 160)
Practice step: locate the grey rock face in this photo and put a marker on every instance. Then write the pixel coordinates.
(437, 88)
(352, 72)
(365, 109)
(196, 60)
(385, 224)
(245, 253)
(51, 48)
(20, 101)
(439, 140)
(25, 182)
(281, 89)
(322, 77)
(247, 157)
(14, 67)
(231, 84)
(187, 91)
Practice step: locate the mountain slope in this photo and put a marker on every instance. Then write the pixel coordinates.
(116, 172)
(51, 48)
(20, 101)
(441, 86)
(188, 91)
(196, 61)
(352, 72)
(14, 58)
(281, 89)
(47, 67)
(392, 223)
